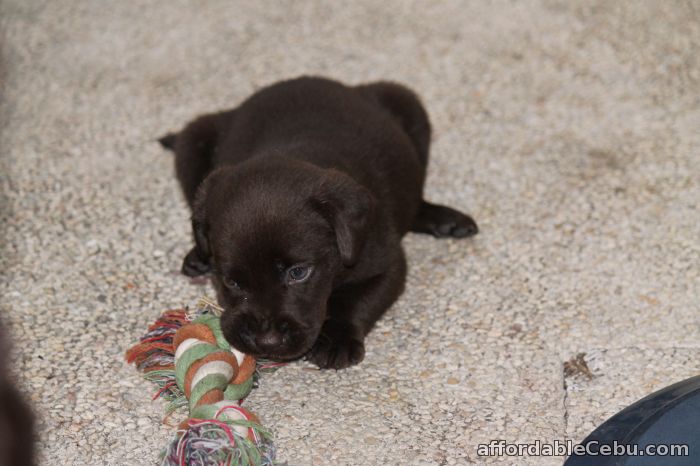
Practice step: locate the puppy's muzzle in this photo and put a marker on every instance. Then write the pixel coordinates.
(267, 337)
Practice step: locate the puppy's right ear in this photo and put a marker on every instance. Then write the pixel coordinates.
(348, 207)
(197, 261)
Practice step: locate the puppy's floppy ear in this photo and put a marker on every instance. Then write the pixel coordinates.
(197, 261)
(199, 224)
(348, 207)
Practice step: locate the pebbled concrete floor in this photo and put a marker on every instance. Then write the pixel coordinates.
(570, 130)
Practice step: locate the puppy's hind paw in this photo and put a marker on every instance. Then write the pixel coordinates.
(443, 222)
(331, 353)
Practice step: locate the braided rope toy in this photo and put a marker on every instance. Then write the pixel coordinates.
(186, 355)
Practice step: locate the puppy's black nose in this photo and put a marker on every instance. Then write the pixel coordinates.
(269, 340)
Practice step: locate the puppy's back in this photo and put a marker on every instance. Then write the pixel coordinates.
(333, 126)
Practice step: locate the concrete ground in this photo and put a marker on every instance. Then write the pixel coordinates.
(569, 130)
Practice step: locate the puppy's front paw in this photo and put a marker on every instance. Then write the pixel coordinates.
(335, 350)
(193, 265)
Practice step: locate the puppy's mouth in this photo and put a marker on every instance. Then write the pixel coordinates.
(294, 346)
(281, 355)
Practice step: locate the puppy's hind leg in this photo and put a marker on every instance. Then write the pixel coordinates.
(406, 109)
(194, 149)
(443, 222)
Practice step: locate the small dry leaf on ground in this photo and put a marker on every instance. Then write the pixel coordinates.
(577, 366)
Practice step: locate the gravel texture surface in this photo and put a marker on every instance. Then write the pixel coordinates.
(569, 130)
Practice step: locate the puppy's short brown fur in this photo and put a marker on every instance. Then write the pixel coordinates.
(300, 197)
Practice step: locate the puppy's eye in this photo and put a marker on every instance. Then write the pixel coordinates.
(298, 273)
(231, 283)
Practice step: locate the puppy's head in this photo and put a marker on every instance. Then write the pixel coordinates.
(277, 233)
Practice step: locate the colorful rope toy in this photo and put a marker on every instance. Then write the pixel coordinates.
(186, 355)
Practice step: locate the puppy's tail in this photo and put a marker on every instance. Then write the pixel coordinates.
(168, 141)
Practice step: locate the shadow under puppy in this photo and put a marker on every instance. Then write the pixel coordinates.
(300, 197)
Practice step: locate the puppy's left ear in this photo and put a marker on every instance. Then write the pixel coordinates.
(197, 261)
(348, 207)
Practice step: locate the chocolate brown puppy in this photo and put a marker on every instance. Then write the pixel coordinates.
(300, 197)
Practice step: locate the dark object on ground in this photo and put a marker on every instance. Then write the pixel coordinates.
(670, 416)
